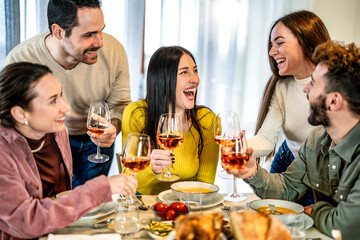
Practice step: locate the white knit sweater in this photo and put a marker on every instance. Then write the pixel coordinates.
(288, 112)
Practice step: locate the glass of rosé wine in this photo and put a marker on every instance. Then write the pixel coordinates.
(235, 156)
(136, 157)
(169, 136)
(136, 152)
(227, 135)
(227, 129)
(97, 122)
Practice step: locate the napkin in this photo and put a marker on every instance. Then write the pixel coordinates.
(104, 236)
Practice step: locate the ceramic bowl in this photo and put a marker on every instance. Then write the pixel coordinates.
(299, 209)
(190, 191)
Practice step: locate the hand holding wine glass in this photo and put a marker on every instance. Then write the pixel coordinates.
(169, 136)
(245, 168)
(235, 157)
(227, 135)
(97, 122)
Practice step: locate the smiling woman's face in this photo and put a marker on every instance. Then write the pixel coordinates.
(48, 108)
(288, 54)
(187, 83)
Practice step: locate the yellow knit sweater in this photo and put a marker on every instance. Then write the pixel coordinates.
(188, 164)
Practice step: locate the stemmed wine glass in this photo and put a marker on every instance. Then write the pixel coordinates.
(227, 135)
(97, 122)
(136, 154)
(226, 129)
(169, 136)
(235, 157)
(135, 157)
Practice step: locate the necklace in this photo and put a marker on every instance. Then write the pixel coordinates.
(39, 148)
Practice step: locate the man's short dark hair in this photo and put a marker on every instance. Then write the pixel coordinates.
(343, 74)
(64, 13)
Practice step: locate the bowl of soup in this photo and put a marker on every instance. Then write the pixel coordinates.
(191, 190)
(282, 208)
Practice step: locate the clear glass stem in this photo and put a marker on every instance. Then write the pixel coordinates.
(235, 193)
(168, 173)
(98, 155)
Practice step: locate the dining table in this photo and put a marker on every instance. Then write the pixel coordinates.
(145, 216)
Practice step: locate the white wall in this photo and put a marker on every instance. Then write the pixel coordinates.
(341, 17)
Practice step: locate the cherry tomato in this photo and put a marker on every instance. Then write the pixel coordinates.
(170, 214)
(160, 207)
(179, 207)
(160, 210)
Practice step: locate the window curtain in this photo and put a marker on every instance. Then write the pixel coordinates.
(20, 20)
(12, 24)
(9, 27)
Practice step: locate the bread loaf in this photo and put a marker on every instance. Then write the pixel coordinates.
(248, 225)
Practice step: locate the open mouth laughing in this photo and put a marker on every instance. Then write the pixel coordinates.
(190, 93)
(62, 119)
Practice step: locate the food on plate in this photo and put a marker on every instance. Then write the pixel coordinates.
(257, 226)
(194, 190)
(199, 226)
(160, 228)
(277, 210)
(164, 212)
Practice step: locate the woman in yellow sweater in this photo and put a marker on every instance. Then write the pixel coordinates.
(172, 82)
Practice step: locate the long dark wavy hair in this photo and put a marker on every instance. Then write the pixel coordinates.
(161, 90)
(310, 31)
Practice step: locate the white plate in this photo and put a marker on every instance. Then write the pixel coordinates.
(92, 217)
(168, 197)
(308, 221)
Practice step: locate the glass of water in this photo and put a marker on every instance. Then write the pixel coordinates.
(296, 225)
(126, 218)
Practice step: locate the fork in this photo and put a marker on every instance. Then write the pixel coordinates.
(225, 207)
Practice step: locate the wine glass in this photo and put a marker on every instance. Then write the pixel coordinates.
(169, 136)
(235, 157)
(136, 152)
(226, 130)
(97, 122)
(136, 155)
(227, 135)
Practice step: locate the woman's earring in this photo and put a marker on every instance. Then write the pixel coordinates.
(26, 123)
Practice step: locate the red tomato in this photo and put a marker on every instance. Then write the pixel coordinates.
(179, 207)
(161, 207)
(170, 214)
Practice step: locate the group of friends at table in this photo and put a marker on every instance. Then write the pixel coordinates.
(49, 82)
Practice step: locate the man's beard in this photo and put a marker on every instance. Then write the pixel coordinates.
(318, 115)
(80, 55)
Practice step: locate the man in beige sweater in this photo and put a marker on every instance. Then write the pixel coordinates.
(91, 66)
